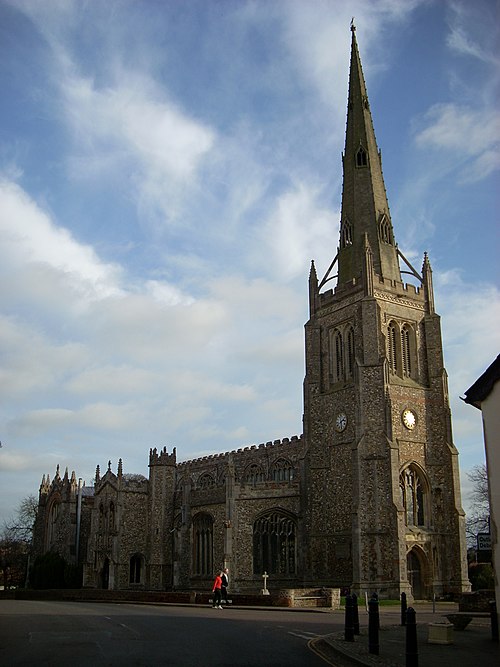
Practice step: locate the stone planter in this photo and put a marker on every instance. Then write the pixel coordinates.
(440, 633)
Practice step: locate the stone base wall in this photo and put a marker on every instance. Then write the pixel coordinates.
(476, 601)
(312, 597)
(288, 598)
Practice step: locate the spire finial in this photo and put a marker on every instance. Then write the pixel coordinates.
(353, 25)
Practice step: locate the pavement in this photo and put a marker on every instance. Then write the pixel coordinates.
(470, 647)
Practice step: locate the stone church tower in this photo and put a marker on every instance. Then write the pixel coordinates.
(383, 492)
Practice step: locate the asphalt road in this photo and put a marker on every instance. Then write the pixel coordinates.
(94, 635)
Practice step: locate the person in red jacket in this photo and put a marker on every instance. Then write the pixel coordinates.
(216, 590)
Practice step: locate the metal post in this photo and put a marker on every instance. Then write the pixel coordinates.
(404, 606)
(411, 638)
(78, 521)
(355, 614)
(373, 625)
(494, 620)
(349, 626)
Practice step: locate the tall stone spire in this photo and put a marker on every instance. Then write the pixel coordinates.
(365, 210)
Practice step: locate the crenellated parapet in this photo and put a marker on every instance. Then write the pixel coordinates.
(162, 457)
(269, 446)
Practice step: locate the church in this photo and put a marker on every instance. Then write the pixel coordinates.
(367, 498)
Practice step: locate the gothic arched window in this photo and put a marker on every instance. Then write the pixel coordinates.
(401, 349)
(350, 353)
(203, 537)
(345, 234)
(339, 356)
(384, 229)
(111, 516)
(274, 544)
(361, 157)
(206, 481)
(52, 524)
(135, 571)
(406, 350)
(392, 347)
(282, 471)
(342, 354)
(413, 490)
(254, 474)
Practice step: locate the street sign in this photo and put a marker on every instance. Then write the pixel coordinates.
(484, 542)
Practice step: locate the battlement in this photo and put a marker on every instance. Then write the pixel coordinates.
(405, 289)
(355, 287)
(162, 458)
(221, 456)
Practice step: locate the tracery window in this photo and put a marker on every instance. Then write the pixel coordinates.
(342, 355)
(203, 536)
(401, 349)
(206, 481)
(406, 350)
(274, 544)
(361, 157)
(392, 347)
(52, 524)
(282, 471)
(339, 356)
(111, 516)
(254, 474)
(345, 234)
(412, 485)
(384, 227)
(135, 571)
(350, 353)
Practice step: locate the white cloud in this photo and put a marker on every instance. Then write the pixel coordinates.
(470, 314)
(13, 461)
(133, 120)
(30, 237)
(467, 36)
(466, 132)
(319, 38)
(298, 230)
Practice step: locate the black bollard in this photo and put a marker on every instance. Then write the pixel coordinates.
(355, 614)
(411, 638)
(373, 625)
(404, 607)
(349, 620)
(494, 620)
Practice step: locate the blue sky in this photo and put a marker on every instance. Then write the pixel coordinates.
(169, 169)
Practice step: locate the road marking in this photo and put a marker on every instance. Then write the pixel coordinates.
(303, 635)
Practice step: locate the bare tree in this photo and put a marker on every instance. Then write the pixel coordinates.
(22, 525)
(15, 543)
(478, 519)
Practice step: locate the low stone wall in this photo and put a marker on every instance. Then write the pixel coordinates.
(476, 601)
(312, 597)
(145, 597)
(297, 597)
(101, 595)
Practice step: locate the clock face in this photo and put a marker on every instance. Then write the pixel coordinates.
(340, 422)
(409, 419)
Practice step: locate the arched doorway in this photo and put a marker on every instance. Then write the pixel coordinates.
(415, 575)
(105, 574)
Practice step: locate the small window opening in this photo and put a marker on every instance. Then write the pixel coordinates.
(361, 157)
